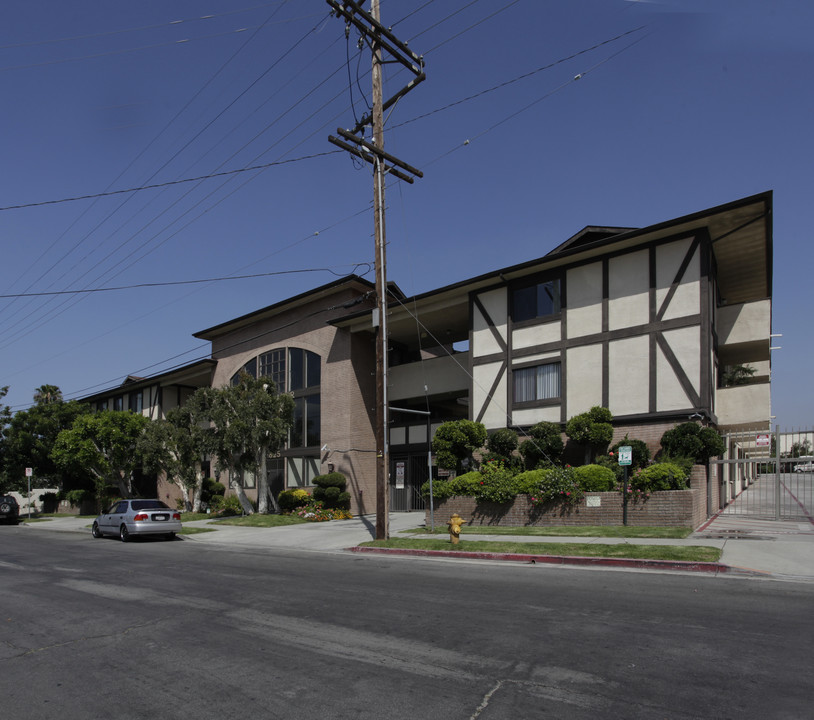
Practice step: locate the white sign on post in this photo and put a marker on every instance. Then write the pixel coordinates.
(763, 441)
(625, 455)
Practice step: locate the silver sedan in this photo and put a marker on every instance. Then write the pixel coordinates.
(130, 518)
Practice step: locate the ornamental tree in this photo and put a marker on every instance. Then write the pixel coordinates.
(29, 439)
(177, 446)
(105, 445)
(593, 430)
(691, 440)
(248, 422)
(544, 445)
(455, 441)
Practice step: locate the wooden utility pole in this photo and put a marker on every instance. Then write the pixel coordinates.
(382, 454)
(373, 151)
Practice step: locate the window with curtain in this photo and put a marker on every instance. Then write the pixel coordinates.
(541, 382)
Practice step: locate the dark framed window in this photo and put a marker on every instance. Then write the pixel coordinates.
(272, 365)
(536, 301)
(118, 403)
(540, 382)
(250, 368)
(136, 401)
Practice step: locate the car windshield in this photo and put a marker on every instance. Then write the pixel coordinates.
(148, 505)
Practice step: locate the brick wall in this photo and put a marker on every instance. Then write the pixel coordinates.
(674, 508)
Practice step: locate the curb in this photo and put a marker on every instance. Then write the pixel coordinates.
(683, 565)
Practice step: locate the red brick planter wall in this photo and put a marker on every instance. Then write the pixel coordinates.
(673, 508)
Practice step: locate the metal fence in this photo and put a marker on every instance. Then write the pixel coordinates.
(768, 475)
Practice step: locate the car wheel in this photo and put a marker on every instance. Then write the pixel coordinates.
(124, 533)
(95, 531)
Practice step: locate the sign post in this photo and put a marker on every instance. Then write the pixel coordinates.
(28, 473)
(625, 459)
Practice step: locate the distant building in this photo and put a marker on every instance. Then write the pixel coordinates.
(646, 322)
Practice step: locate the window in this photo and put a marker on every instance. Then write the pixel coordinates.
(541, 382)
(302, 471)
(118, 403)
(272, 365)
(136, 402)
(250, 368)
(536, 301)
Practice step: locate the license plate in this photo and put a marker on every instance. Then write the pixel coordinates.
(160, 517)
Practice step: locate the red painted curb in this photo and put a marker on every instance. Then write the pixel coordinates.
(555, 559)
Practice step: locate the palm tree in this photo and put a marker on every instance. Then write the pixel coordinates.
(47, 394)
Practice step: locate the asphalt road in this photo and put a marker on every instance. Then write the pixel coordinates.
(99, 628)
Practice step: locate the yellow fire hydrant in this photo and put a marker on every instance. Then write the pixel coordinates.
(454, 525)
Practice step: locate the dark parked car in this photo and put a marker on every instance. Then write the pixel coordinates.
(9, 509)
(129, 518)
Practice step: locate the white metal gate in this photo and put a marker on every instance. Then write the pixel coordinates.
(768, 475)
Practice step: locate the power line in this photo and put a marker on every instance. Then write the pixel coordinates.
(108, 33)
(173, 283)
(168, 183)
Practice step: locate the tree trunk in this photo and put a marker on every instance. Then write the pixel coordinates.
(262, 485)
(196, 492)
(237, 488)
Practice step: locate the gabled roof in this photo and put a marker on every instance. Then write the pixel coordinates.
(194, 374)
(740, 233)
(354, 282)
(589, 234)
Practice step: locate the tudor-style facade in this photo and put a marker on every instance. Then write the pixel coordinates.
(642, 321)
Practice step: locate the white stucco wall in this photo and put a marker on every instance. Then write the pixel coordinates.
(629, 375)
(584, 295)
(684, 343)
(482, 378)
(746, 322)
(483, 340)
(687, 297)
(583, 379)
(628, 290)
(537, 335)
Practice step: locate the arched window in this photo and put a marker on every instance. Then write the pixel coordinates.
(299, 372)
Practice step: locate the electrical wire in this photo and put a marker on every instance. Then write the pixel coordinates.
(175, 283)
(108, 33)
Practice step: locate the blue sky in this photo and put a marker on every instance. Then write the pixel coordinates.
(693, 104)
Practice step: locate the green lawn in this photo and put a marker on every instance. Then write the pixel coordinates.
(691, 553)
(258, 520)
(613, 531)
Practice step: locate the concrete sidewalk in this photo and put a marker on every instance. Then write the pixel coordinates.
(761, 548)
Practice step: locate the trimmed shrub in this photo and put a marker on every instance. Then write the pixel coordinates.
(544, 445)
(334, 479)
(690, 440)
(290, 500)
(455, 441)
(502, 442)
(210, 488)
(231, 506)
(329, 489)
(497, 484)
(595, 478)
(557, 485)
(659, 476)
(593, 430)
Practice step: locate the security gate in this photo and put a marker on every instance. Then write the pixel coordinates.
(768, 475)
(407, 474)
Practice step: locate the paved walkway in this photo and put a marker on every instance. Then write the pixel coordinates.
(777, 550)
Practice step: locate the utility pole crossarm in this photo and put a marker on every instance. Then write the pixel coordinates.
(381, 40)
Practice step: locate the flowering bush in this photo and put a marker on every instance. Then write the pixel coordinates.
(290, 500)
(557, 485)
(497, 484)
(315, 511)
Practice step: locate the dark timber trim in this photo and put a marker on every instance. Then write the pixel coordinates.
(683, 380)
